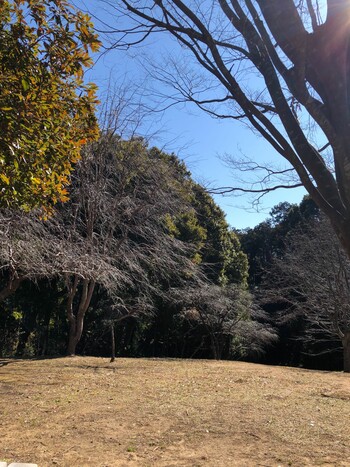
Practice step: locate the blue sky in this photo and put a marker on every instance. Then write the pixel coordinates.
(198, 138)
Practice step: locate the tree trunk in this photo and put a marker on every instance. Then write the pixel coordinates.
(76, 330)
(112, 342)
(73, 337)
(346, 351)
(76, 321)
(216, 348)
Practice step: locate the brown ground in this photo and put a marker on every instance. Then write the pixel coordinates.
(138, 412)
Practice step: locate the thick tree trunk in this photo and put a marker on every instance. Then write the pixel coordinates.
(322, 57)
(76, 329)
(76, 320)
(342, 231)
(74, 336)
(346, 351)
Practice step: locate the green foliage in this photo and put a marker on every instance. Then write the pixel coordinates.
(135, 226)
(186, 227)
(46, 111)
(202, 223)
(268, 239)
(32, 320)
(217, 247)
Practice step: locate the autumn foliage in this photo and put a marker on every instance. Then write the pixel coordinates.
(46, 110)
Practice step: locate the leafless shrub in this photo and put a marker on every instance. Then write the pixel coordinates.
(227, 315)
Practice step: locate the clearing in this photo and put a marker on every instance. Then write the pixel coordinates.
(85, 411)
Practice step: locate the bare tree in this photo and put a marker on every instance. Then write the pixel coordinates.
(114, 226)
(25, 250)
(121, 309)
(312, 280)
(297, 57)
(227, 316)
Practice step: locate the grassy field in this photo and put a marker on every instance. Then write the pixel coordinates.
(85, 411)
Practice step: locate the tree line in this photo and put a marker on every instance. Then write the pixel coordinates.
(141, 262)
(115, 235)
(138, 242)
(300, 275)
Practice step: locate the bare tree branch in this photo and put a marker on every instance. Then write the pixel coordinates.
(295, 60)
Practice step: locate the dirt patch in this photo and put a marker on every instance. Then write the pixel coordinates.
(85, 411)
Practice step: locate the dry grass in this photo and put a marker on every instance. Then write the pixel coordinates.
(138, 412)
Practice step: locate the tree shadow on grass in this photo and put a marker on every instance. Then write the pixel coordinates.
(11, 360)
(5, 361)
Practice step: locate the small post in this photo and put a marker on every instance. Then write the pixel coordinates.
(112, 342)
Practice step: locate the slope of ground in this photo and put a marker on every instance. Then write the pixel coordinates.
(85, 411)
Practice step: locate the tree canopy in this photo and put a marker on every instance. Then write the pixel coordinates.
(217, 246)
(297, 98)
(46, 110)
(115, 230)
(135, 227)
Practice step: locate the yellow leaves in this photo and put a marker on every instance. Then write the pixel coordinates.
(35, 180)
(95, 45)
(25, 84)
(84, 30)
(5, 179)
(46, 111)
(196, 258)
(64, 196)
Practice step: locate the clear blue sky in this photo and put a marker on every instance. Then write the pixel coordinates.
(194, 135)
